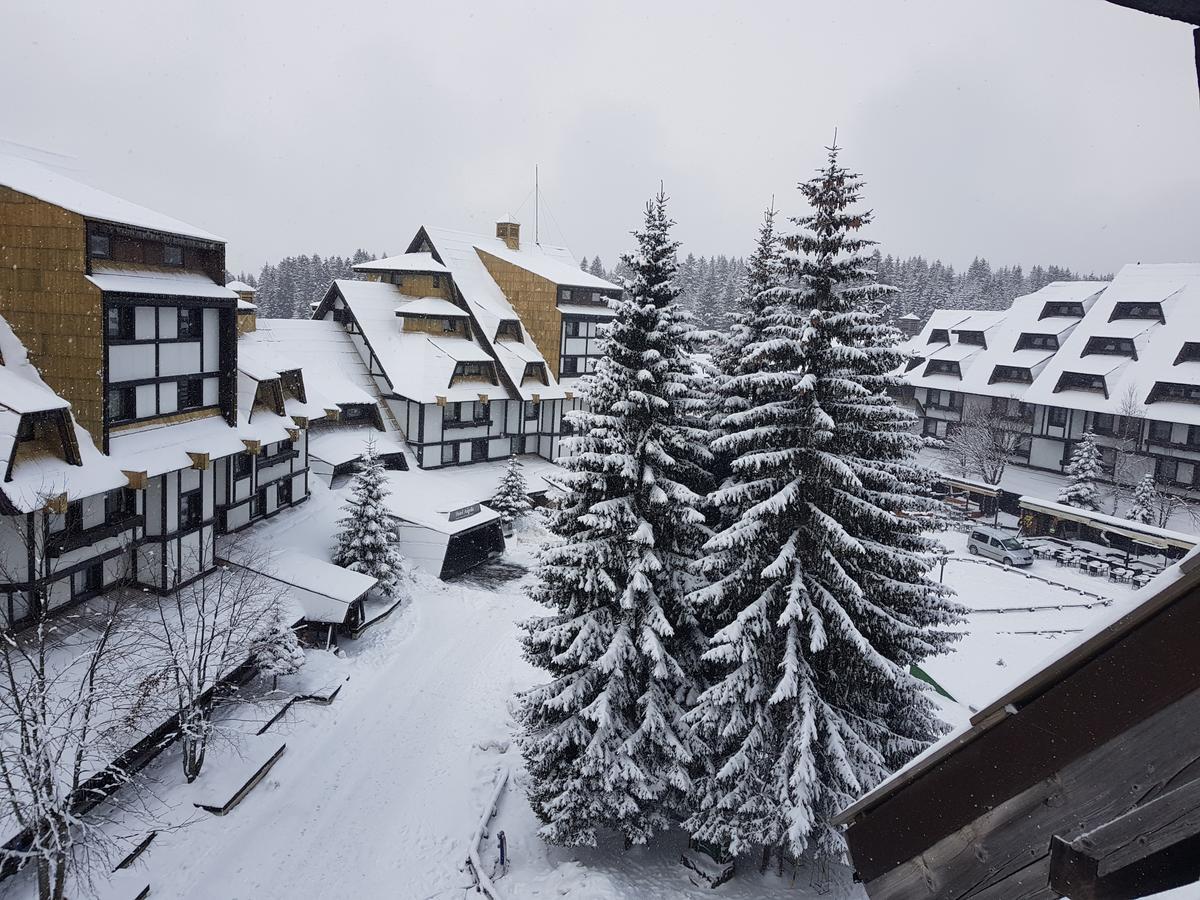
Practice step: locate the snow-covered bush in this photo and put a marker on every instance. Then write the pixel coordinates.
(1145, 502)
(277, 650)
(367, 535)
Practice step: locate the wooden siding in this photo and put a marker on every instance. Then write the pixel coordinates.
(173, 419)
(536, 301)
(52, 307)
(435, 327)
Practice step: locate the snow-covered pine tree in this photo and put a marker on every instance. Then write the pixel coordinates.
(1083, 471)
(512, 496)
(764, 273)
(821, 581)
(367, 536)
(1143, 508)
(277, 651)
(603, 740)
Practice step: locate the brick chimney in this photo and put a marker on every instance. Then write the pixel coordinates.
(509, 231)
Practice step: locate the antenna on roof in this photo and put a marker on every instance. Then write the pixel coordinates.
(536, 203)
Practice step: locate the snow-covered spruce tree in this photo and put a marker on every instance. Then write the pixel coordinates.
(764, 273)
(1082, 474)
(1145, 502)
(512, 497)
(603, 740)
(367, 536)
(820, 581)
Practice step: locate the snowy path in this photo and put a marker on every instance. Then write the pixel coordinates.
(376, 796)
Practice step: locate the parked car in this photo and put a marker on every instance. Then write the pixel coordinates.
(999, 545)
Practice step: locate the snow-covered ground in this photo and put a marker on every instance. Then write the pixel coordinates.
(378, 793)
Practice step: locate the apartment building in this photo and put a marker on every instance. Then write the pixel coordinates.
(475, 342)
(1120, 359)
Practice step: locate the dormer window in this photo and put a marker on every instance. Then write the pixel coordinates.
(943, 367)
(1028, 341)
(1110, 347)
(509, 328)
(1189, 352)
(172, 255)
(1081, 381)
(1137, 311)
(939, 336)
(1066, 310)
(474, 371)
(913, 362)
(972, 337)
(1014, 374)
(1181, 393)
(536, 371)
(99, 246)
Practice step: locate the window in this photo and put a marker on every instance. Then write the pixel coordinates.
(939, 336)
(451, 413)
(74, 517)
(479, 449)
(943, 367)
(242, 465)
(913, 362)
(1081, 381)
(929, 427)
(449, 326)
(172, 255)
(570, 365)
(191, 510)
(191, 393)
(972, 337)
(1166, 390)
(1056, 417)
(118, 323)
(1011, 374)
(532, 409)
(1193, 437)
(509, 329)
(1166, 470)
(93, 578)
(536, 371)
(449, 453)
(473, 370)
(1137, 311)
(121, 404)
(283, 493)
(566, 294)
(437, 281)
(1160, 432)
(1071, 310)
(572, 328)
(1029, 341)
(99, 246)
(259, 507)
(118, 504)
(597, 297)
(191, 323)
(1110, 347)
(1104, 423)
(285, 447)
(1189, 352)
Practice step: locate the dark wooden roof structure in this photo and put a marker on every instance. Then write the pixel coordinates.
(1082, 781)
(1180, 10)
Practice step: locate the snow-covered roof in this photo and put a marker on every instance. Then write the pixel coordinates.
(431, 307)
(587, 309)
(241, 287)
(327, 589)
(165, 282)
(334, 373)
(1177, 288)
(36, 180)
(417, 365)
(1152, 534)
(405, 262)
(552, 263)
(38, 475)
(1002, 332)
(156, 449)
(341, 444)
(245, 305)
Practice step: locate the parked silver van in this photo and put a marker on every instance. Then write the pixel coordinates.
(999, 545)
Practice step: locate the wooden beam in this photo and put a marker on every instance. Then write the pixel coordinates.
(57, 504)
(293, 434)
(200, 461)
(137, 480)
(253, 447)
(301, 422)
(441, 401)
(333, 414)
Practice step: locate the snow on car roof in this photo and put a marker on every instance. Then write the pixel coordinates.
(28, 177)
(162, 282)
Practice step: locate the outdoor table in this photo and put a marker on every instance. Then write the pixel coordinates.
(1140, 579)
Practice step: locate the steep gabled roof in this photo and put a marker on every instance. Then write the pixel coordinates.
(30, 178)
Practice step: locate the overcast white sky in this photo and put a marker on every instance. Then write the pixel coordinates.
(1025, 130)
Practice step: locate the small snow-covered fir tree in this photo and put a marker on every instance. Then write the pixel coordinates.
(1083, 472)
(512, 497)
(820, 580)
(1144, 506)
(603, 740)
(367, 535)
(277, 651)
